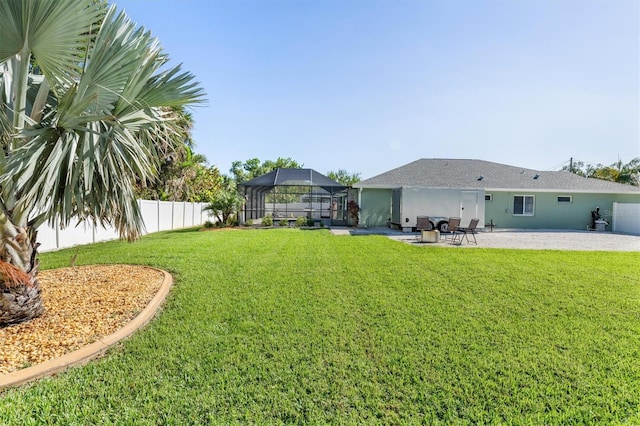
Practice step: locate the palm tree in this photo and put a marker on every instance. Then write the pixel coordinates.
(620, 172)
(176, 158)
(78, 136)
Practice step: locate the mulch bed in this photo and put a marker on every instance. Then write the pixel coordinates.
(82, 305)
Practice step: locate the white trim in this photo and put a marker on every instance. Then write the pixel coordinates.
(632, 191)
(563, 190)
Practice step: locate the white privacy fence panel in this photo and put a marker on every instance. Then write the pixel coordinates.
(165, 216)
(47, 237)
(150, 214)
(156, 216)
(102, 234)
(75, 235)
(178, 216)
(189, 219)
(626, 218)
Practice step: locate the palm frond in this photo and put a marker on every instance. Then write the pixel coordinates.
(55, 32)
(98, 134)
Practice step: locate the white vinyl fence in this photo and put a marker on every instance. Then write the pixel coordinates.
(157, 216)
(626, 218)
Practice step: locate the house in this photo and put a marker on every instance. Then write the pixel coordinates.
(507, 196)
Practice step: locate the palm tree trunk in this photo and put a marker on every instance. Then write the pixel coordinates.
(20, 293)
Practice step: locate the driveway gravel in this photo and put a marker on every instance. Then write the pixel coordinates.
(525, 239)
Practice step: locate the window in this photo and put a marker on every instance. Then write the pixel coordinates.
(565, 199)
(488, 197)
(523, 205)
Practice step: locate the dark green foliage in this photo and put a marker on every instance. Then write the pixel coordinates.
(267, 220)
(224, 205)
(628, 173)
(344, 177)
(242, 172)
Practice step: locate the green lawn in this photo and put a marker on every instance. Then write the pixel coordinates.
(292, 326)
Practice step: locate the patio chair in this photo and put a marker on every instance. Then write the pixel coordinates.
(423, 224)
(465, 232)
(454, 223)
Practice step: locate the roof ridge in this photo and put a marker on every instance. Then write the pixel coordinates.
(473, 173)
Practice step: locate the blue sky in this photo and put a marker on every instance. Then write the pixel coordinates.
(370, 85)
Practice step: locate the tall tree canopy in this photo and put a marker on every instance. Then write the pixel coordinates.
(252, 168)
(344, 177)
(628, 173)
(78, 136)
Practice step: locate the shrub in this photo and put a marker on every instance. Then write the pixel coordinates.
(267, 221)
(232, 220)
(224, 205)
(284, 222)
(310, 222)
(301, 221)
(249, 222)
(354, 212)
(208, 224)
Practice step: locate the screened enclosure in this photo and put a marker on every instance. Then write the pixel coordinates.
(286, 194)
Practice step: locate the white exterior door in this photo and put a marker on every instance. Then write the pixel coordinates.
(468, 206)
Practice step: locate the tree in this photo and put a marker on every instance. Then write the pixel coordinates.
(252, 168)
(183, 177)
(77, 137)
(344, 177)
(628, 173)
(183, 174)
(226, 202)
(207, 182)
(577, 168)
(620, 172)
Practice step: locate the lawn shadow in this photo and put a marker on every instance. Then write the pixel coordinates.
(186, 230)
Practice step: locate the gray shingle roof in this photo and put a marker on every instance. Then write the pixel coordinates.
(469, 174)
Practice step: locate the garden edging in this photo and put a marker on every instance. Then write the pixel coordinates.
(95, 349)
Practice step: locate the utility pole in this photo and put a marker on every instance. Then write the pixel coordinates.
(571, 164)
